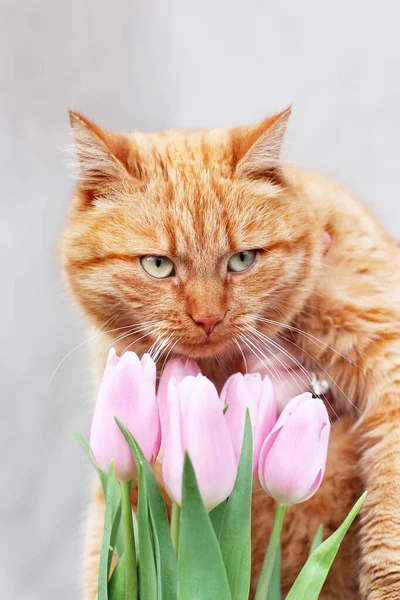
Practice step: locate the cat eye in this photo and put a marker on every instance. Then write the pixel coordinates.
(241, 261)
(159, 267)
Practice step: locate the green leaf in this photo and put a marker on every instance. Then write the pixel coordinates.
(216, 515)
(175, 522)
(274, 592)
(103, 476)
(201, 572)
(131, 578)
(159, 566)
(119, 540)
(235, 534)
(114, 532)
(116, 585)
(166, 563)
(317, 540)
(312, 576)
(147, 569)
(112, 499)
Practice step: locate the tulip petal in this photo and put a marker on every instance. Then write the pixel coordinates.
(226, 388)
(249, 391)
(297, 443)
(292, 406)
(234, 396)
(266, 418)
(127, 392)
(177, 368)
(293, 457)
(314, 486)
(173, 459)
(149, 368)
(112, 359)
(195, 424)
(267, 445)
(208, 443)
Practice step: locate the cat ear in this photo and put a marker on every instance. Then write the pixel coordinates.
(103, 157)
(259, 148)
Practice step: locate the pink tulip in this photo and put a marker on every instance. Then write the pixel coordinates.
(127, 392)
(178, 368)
(195, 424)
(293, 457)
(249, 391)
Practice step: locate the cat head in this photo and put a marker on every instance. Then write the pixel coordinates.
(188, 241)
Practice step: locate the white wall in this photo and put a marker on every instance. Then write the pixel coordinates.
(149, 65)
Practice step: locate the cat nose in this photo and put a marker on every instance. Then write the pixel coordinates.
(208, 321)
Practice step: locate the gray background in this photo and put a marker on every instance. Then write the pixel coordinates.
(148, 65)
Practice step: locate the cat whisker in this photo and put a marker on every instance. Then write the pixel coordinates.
(301, 367)
(260, 351)
(133, 331)
(324, 371)
(153, 347)
(93, 337)
(293, 384)
(256, 352)
(296, 387)
(167, 356)
(163, 348)
(157, 348)
(242, 353)
(223, 369)
(114, 315)
(168, 350)
(309, 336)
(306, 373)
(320, 366)
(266, 339)
(137, 340)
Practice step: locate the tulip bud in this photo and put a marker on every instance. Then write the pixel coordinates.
(195, 424)
(249, 391)
(127, 391)
(293, 457)
(177, 368)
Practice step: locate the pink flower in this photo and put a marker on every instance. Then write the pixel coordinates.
(249, 391)
(196, 424)
(293, 457)
(127, 392)
(178, 368)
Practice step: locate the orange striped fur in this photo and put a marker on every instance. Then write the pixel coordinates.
(199, 197)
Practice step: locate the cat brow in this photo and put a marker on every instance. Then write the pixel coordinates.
(98, 260)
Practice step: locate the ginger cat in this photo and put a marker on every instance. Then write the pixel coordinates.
(203, 244)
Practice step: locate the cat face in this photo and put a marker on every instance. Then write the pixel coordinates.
(188, 242)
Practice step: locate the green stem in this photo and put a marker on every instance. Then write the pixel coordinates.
(175, 521)
(129, 542)
(269, 558)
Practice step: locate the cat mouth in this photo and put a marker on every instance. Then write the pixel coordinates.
(205, 348)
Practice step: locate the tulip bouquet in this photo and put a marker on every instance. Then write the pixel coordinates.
(210, 448)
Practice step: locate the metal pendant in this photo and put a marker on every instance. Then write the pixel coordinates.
(319, 387)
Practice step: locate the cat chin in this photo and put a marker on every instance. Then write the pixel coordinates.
(207, 350)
